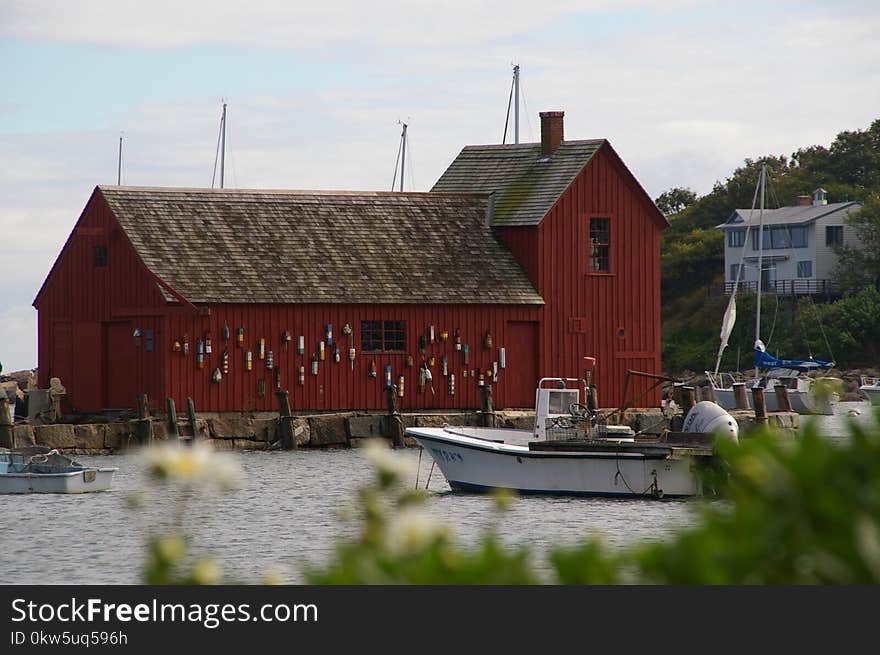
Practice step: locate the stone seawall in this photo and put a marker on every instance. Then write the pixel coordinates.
(339, 430)
(246, 432)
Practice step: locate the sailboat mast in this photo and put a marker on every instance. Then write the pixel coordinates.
(760, 261)
(222, 144)
(402, 155)
(516, 104)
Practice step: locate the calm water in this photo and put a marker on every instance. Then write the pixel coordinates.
(288, 512)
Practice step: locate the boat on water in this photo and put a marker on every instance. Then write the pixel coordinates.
(572, 451)
(806, 394)
(42, 470)
(871, 388)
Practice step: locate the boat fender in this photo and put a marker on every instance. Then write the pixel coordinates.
(709, 417)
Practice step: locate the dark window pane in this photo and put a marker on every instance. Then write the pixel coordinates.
(600, 244)
(100, 256)
(371, 335)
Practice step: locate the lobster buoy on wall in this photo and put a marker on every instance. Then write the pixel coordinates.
(314, 364)
(452, 384)
(387, 375)
(186, 344)
(239, 336)
(225, 362)
(300, 345)
(351, 355)
(262, 351)
(487, 341)
(400, 382)
(225, 332)
(336, 355)
(176, 347)
(217, 376)
(409, 361)
(708, 417)
(494, 371)
(285, 339)
(431, 334)
(502, 357)
(208, 349)
(328, 334)
(248, 360)
(270, 360)
(444, 365)
(444, 336)
(372, 372)
(321, 350)
(466, 349)
(302, 376)
(457, 335)
(200, 353)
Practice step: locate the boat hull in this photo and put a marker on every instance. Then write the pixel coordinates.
(68, 482)
(479, 465)
(800, 401)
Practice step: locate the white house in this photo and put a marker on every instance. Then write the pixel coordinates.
(798, 254)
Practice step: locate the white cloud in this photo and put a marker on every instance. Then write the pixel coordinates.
(18, 338)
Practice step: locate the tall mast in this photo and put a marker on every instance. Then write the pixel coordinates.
(760, 260)
(402, 155)
(222, 144)
(119, 164)
(516, 103)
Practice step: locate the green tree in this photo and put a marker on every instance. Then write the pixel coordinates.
(673, 201)
(858, 266)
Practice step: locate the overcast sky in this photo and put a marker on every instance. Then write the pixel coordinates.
(684, 90)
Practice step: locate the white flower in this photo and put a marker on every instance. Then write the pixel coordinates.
(195, 465)
(410, 529)
(387, 462)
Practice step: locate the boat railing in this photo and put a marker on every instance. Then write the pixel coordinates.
(869, 381)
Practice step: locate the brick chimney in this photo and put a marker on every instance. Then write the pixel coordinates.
(804, 201)
(551, 131)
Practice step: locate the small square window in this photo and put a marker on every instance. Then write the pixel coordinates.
(383, 336)
(834, 235)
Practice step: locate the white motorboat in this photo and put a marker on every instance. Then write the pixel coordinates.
(41, 470)
(871, 388)
(571, 451)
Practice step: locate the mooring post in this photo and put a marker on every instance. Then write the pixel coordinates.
(193, 421)
(172, 418)
(7, 426)
(760, 408)
(394, 426)
(709, 393)
(688, 400)
(285, 421)
(144, 429)
(782, 402)
(739, 395)
(487, 411)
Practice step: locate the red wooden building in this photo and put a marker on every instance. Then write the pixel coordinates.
(522, 260)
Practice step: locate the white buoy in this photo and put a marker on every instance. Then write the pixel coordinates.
(707, 417)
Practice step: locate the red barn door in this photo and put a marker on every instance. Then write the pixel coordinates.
(521, 372)
(119, 355)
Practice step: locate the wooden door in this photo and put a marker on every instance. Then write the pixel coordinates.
(521, 372)
(119, 357)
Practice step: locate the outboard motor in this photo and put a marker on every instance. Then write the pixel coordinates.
(707, 417)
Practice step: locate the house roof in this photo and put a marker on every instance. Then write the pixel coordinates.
(795, 215)
(249, 246)
(526, 182)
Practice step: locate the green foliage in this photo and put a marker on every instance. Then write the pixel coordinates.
(674, 200)
(858, 267)
(692, 250)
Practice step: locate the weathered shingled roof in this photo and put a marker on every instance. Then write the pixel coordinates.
(526, 182)
(249, 246)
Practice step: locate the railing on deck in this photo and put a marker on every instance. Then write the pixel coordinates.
(795, 287)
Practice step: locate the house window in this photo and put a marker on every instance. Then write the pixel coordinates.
(834, 235)
(805, 269)
(779, 237)
(383, 336)
(600, 244)
(736, 238)
(736, 269)
(100, 256)
(799, 237)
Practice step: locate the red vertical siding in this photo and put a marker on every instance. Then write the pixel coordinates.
(81, 299)
(614, 316)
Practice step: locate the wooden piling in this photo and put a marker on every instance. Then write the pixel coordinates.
(782, 402)
(676, 393)
(760, 407)
(739, 395)
(709, 393)
(393, 423)
(144, 425)
(487, 410)
(285, 421)
(193, 421)
(7, 425)
(173, 429)
(688, 399)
